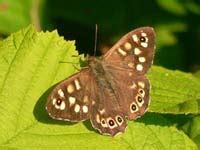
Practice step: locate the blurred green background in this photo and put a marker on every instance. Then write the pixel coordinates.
(177, 24)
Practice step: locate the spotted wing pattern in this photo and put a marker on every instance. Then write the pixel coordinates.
(133, 51)
(110, 89)
(125, 66)
(70, 99)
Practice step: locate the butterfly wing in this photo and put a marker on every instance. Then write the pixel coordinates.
(135, 50)
(70, 99)
(106, 115)
(126, 64)
(79, 97)
(133, 92)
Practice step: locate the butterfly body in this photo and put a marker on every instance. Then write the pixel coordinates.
(111, 89)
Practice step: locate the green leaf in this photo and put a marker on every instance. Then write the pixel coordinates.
(174, 91)
(175, 7)
(168, 46)
(197, 74)
(29, 66)
(192, 128)
(15, 15)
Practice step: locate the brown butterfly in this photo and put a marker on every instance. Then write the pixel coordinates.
(111, 89)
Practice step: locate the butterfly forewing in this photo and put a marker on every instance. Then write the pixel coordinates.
(135, 50)
(126, 63)
(70, 100)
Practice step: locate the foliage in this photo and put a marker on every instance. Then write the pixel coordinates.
(26, 124)
(30, 65)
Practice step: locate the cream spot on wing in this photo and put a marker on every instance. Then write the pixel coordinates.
(57, 107)
(98, 118)
(112, 124)
(141, 92)
(85, 99)
(146, 39)
(77, 84)
(144, 44)
(54, 101)
(72, 100)
(131, 65)
(137, 51)
(130, 73)
(66, 119)
(59, 118)
(102, 111)
(103, 123)
(85, 109)
(127, 45)
(135, 38)
(133, 107)
(142, 59)
(70, 88)
(139, 67)
(139, 100)
(61, 93)
(122, 52)
(93, 102)
(143, 34)
(133, 86)
(141, 84)
(62, 106)
(119, 120)
(77, 108)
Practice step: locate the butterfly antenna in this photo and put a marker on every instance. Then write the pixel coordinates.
(95, 41)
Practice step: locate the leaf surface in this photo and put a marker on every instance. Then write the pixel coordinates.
(174, 91)
(30, 66)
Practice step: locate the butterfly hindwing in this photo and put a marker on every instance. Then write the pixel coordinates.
(138, 103)
(107, 116)
(133, 92)
(109, 122)
(135, 50)
(70, 100)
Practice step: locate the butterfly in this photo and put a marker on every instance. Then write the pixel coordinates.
(111, 89)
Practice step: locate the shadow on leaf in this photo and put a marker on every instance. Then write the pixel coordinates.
(88, 125)
(42, 116)
(40, 113)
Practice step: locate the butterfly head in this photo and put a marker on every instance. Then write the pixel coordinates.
(93, 61)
